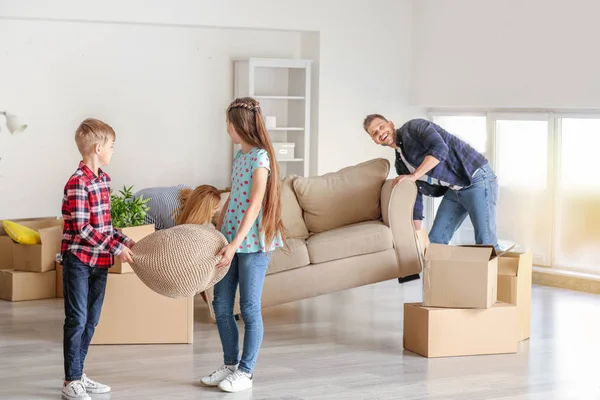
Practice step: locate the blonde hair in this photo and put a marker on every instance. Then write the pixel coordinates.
(197, 205)
(92, 132)
(246, 116)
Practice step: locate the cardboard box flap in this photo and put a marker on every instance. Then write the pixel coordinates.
(508, 266)
(487, 246)
(442, 252)
(509, 263)
(50, 234)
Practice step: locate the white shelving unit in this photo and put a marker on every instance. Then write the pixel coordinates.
(282, 86)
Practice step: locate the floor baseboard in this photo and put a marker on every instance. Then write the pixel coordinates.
(566, 279)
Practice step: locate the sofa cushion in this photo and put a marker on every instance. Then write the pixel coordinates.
(296, 257)
(291, 213)
(342, 198)
(348, 241)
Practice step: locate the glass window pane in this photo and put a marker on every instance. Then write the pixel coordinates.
(524, 213)
(522, 153)
(578, 203)
(471, 129)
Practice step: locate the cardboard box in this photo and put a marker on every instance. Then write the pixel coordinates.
(19, 285)
(59, 281)
(447, 332)
(514, 287)
(7, 244)
(460, 276)
(39, 257)
(134, 314)
(136, 233)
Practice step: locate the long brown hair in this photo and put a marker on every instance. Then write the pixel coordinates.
(246, 117)
(197, 205)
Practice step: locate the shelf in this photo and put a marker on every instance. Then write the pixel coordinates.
(279, 97)
(292, 160)
(285, 129)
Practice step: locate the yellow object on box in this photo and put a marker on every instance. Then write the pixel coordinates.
(21, 234)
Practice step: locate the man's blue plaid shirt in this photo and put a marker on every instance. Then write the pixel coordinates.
(419, 138)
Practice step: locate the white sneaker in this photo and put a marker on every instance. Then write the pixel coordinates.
(94, 387)
(217, 376)
(75, 390)
(236, 382)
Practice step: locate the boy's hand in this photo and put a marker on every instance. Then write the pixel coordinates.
(130, 244)
(126, 255)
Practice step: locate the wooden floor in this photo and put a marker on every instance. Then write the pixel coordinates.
(346, 345)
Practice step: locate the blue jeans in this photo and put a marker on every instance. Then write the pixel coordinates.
(83, 290)
(249, 270)
(478, 201)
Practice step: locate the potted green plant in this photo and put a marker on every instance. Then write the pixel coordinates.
(128, 215)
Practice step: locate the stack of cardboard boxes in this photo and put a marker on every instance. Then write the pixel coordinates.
(27, 271)
(131, 314)
(474, 302)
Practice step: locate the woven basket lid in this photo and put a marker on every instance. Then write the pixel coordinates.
(179, 262)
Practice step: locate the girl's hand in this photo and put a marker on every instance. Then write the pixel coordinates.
(226, 254)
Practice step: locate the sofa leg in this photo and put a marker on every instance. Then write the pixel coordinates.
(409, 278)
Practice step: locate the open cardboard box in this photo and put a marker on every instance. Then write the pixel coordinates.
(39, 257)
(50, 243)
(460, 276)
(7, 244)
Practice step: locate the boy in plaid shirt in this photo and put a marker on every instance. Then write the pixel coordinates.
(89, 244)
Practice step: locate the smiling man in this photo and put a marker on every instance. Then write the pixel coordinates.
(441, 164)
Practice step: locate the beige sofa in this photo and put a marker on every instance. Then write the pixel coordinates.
(346, 229)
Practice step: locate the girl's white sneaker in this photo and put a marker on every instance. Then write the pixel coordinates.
(236, 382)
(75, 391)
(217, 376)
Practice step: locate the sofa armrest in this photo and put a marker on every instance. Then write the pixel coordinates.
(386, 194)
(400, 220)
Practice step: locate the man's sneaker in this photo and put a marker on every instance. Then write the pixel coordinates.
(236, 382)
(75, 391)
(217, 376)
(94, 387)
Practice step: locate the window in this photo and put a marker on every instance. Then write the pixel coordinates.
(522, 153)
(471, 129)
(578, 195)
(524, 208)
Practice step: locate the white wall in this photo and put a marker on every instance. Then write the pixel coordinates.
(510, 53)
(364, 66)
(163, 89)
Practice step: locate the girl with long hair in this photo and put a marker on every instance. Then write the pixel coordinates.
(251, 222)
